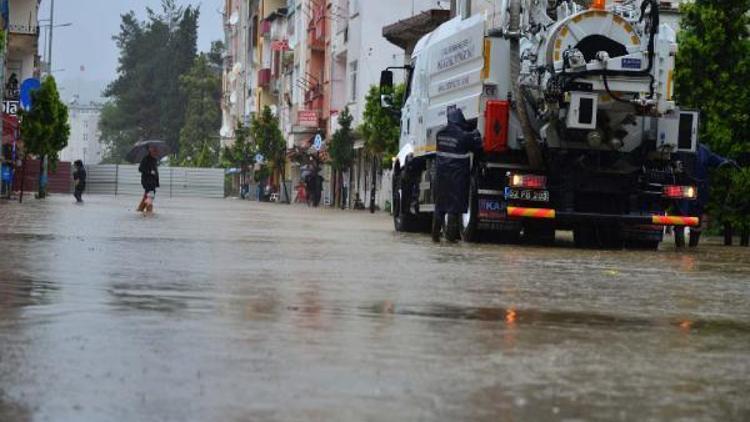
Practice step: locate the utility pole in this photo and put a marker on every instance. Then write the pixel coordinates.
(45, 160)
(51, 29)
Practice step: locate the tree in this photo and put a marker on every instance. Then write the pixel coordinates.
(242, 153)
(381, 127)
(45, 127)
(216, 54)
(146, 99)
(341, 150)
(713, 76)
(713, 71)
(199, 141)
(271, 144)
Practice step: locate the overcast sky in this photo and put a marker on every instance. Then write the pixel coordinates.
(88, 42)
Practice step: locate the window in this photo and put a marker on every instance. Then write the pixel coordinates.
(353, 80)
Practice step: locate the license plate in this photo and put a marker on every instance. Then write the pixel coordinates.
(491, 209)
(527, 195)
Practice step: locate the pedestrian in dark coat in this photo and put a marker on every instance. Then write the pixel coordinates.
(79, 177)
(149, 169)
(703, 161)
(455, 145)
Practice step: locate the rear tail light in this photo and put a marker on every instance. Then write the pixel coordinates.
(680, 192)
(529, 181)
(496, 126)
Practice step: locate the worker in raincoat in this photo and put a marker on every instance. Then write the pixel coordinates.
(455, 145)
(704, 161)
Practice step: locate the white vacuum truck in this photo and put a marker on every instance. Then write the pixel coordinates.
(575, 107)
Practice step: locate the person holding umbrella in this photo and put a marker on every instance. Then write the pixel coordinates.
(148, 153)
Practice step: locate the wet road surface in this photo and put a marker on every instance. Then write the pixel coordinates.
(234, 311)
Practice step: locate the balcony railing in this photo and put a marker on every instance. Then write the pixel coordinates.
(23, 17)
(264, 77)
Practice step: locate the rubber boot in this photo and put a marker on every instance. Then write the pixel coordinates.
(452, 232)
(679, 237)
(437, 226)
(695, 237)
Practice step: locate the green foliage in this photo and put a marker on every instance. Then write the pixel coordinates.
(381, 127)
(199, 141)
(147, 100)
(45, 127)
(341, 148)
(713, 71)
(216, 54)
(267, 134)
(713, 76)
(242, 152)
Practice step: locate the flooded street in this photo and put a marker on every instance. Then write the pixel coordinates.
(230, 311)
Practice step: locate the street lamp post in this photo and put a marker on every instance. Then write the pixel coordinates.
(51, 30)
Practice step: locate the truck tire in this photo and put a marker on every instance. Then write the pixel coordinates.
(610, 237)
(469, 221)
(403, 220)
(584, 237)
(679, 237)
(643, 245)
(452, 229)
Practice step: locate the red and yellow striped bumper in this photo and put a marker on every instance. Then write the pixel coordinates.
(669, 220)
(519, 212)
(550, 214)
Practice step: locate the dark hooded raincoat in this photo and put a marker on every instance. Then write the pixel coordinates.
(455, 143)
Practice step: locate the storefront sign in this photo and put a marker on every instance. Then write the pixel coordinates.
(307, 118)
(10, 107)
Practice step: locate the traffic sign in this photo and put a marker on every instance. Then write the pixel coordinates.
(27, 87)
(318, 143)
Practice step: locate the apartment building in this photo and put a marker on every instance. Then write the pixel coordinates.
(85, 138)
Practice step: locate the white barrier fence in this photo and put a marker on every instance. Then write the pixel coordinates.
(117, 179)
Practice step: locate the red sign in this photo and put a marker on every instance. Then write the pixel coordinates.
(280, 45)
(307, 118)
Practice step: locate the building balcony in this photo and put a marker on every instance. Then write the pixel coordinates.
(340, 42)
(316, 43)
(264, 77)
(23, 17)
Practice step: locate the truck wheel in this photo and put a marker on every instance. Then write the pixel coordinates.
(584, 237)
(403, 220)
(679, 237)
(469, 219)
(644, 245)
(452, 228)
(610, 237)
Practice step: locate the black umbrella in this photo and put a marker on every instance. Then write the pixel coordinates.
(141, 148)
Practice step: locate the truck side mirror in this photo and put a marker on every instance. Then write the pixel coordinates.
(386, 89)
(386, 81)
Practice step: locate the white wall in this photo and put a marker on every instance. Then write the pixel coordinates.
(84, 142)
(372, 52)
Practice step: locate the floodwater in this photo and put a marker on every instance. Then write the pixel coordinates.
(231, 311)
